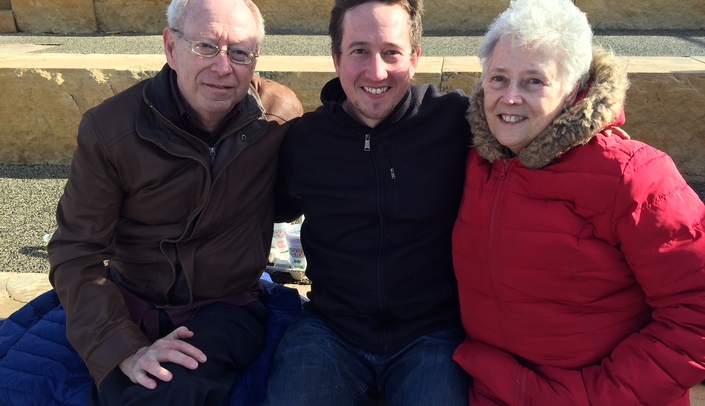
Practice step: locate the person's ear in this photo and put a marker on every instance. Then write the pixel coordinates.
(336, 57)
(415, 62)
(570, 99)
(169, 37)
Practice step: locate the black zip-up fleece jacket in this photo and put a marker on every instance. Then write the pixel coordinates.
(379, 206)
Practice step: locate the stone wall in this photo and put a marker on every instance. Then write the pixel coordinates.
(644, 14)
(7, 18)
(49, 96)
(311, 16)
(48, 93)
(665, 109)
(7, 21)
(55, 16)
(131, 15)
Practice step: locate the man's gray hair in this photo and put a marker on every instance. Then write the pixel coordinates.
(177, 12)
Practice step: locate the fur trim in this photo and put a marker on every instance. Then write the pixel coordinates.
(574, 127)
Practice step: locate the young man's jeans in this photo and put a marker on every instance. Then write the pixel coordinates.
(314, 366)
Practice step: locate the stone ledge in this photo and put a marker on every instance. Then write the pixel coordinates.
(51, 92)
(18, 289)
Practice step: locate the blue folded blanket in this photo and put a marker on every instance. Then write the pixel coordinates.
(38, 366)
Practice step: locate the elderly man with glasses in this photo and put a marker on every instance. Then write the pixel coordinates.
(165, 224)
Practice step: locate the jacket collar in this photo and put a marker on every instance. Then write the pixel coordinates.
(598, 108)
(160, 99)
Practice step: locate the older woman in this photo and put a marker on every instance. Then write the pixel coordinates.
(580, 256)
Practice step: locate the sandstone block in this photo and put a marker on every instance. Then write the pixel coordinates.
(640, 15)
(25, 287)
(5, 5)
(312, 16)
(460, 72)
(7, 21)
(665, 96)
(40, 120)
(461, 16)
(18, 289)
(306, 76)
(307, 85)
(138, 16)
(303, 16)
(55, 16)
(662, 110)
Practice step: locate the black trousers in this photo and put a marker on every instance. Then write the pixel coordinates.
(231, 337)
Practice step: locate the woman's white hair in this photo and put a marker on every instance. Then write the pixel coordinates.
(176, 13)
(554, 26)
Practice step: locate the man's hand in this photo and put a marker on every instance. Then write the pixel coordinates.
(170, 348)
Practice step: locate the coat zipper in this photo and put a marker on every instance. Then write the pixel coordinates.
(380, 202)
(494, 216)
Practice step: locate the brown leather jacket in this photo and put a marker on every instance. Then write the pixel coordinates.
(178, 220)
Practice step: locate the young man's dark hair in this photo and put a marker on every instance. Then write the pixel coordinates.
(413, 7)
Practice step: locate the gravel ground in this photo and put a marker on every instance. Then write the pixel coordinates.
(28, 205)
(29, 197)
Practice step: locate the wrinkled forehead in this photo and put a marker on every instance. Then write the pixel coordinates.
(215, 19)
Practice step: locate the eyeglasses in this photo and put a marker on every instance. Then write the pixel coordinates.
(208, 50)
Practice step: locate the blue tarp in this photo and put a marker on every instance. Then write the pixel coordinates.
(38, 366)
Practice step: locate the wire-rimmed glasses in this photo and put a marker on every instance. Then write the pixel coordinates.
(208, 50)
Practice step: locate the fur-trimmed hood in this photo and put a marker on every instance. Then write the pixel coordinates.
(597, 110)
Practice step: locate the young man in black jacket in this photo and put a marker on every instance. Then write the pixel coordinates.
(378, 173)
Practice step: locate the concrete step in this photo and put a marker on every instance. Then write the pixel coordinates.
(18, 289)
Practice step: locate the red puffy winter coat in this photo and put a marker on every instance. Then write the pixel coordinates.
(580, 265)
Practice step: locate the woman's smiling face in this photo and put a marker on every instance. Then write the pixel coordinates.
(523, 93)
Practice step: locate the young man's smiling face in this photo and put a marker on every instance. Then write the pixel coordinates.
(376, 63)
